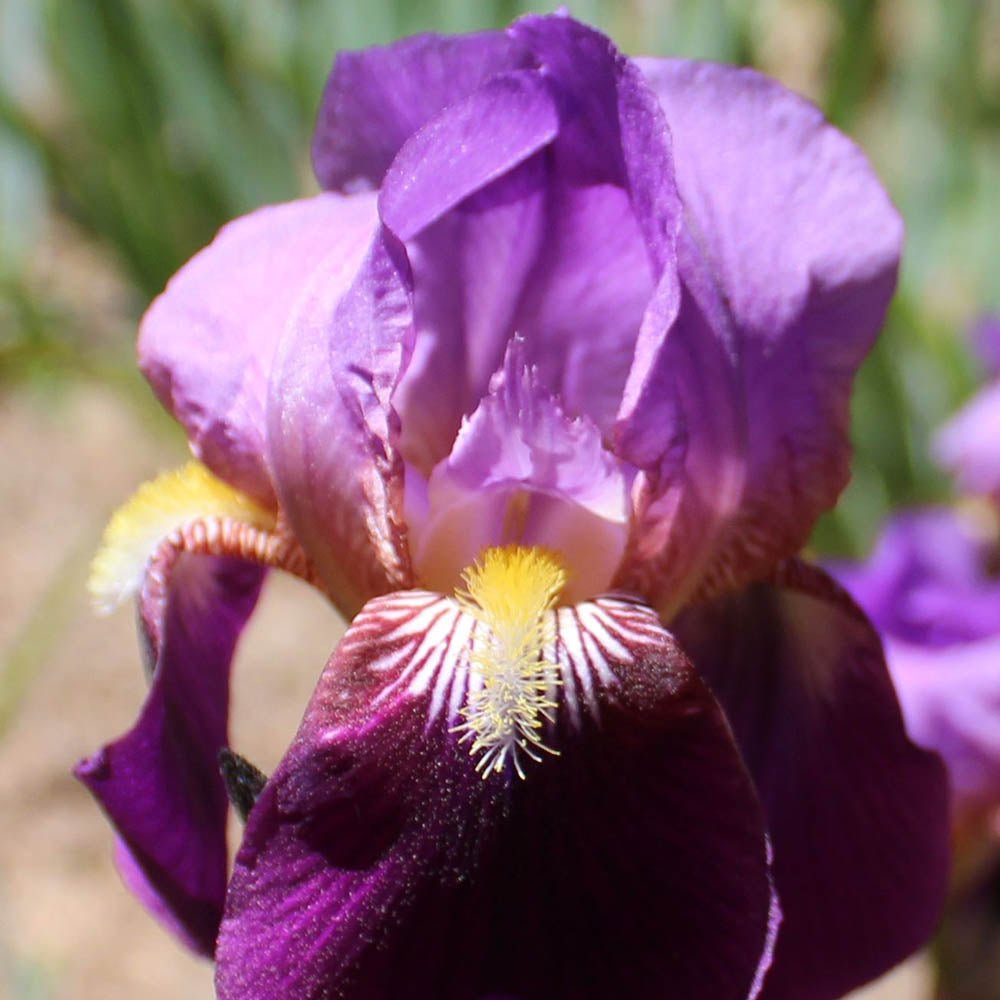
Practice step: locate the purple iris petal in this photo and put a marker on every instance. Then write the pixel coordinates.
(208, 341)
(969, 444)
(583, 306)
(857, 812)
(928, 590)
(788, 260)
(928, 581)
(554, 250)
(580, 139)
(379, 863)
(330, 426)
(443, 164)
(521, 472)
(951, 702)
(160, 783)
(376, 99)
(469, 273)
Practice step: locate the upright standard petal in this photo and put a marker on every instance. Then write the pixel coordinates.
(472, 215)
(610, 252)
(159, 783)
(379, 863)
(558, 229)
(788, 260)
(376, 99)
(469, 273)
(857, 813)
(207, 343)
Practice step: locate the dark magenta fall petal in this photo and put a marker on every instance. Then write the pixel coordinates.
(378, 863)
(857, 813)
(160, 782)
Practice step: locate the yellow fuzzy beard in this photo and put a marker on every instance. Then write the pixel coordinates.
(511, 591)
(156, 510)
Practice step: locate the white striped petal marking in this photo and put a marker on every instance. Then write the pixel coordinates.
(497, 662)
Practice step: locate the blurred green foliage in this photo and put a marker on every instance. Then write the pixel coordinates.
(130, 130)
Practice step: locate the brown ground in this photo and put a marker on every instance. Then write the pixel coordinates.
(70, 680)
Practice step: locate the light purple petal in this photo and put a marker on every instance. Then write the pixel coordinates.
(615, 215)
(207, 343)
(378, 863)
(521, 472)
(857, 813)
(469, 273)
(583, 306)
(160, 784)
(331, 429)
(566, 250)
(376, 99)
(928, 581)
(448, 160)
(969, 445)
(951, 702)
(788, 260)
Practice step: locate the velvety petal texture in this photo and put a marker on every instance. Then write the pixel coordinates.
(738, 412)
(379, 863)
(929, 590)
(207, 343)
(159, 783)
(857, 813)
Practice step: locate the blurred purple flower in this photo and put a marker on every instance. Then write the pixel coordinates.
(931, 589)
(969, 444)
(579, 331)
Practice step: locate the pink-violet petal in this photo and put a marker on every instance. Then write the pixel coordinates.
(331, 429)
(207, 343)
(969, 444)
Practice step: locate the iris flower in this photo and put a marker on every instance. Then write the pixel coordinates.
(544, 391)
